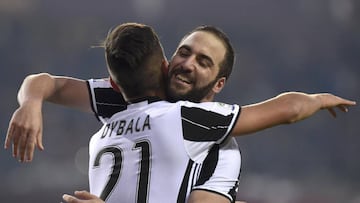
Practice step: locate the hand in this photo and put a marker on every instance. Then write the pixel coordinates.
(82, 197)
(25, 131)
(329, 102)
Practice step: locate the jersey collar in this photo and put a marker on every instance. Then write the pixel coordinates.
(149, 99)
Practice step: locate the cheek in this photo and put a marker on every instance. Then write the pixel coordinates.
(170, 71)
(172, 66)
(174, 62)
(204, 77)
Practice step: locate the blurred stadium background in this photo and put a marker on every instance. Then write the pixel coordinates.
(302, 45)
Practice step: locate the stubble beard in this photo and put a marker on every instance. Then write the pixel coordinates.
(193, 95)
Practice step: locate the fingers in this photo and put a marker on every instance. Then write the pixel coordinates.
(70, 199)
(84, 195)
(39, 142)
(22, 147)
(343, 108)
(349, 102)
(9, 136)
(29, 148)
(81, 197)
(24, 142)
(25, 132)
(16, 136)
(332, 112)
(345, 102)
(330, 100)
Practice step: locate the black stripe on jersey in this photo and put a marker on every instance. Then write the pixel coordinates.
(233, 191)
(108, 102)
(208, 169)
(202, 125)
(230, 132)
(184, 184)
(195, 174)
(209, 165)
(91, 100)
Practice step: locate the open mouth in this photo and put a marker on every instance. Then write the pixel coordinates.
(182, 79)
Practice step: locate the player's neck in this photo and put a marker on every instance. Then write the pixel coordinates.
(151, 93)
(208, 98)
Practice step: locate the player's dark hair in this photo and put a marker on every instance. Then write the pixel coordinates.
(134, 56)
(229, 59)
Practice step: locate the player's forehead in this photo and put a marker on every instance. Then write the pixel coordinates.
(204, 43)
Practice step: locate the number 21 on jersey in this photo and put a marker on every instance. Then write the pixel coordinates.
(144, 175)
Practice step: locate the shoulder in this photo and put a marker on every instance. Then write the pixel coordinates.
(217, 107)
(99, 83)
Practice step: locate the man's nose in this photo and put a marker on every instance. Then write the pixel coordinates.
(189, 64)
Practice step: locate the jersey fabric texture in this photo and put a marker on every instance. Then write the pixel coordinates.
(219, 170)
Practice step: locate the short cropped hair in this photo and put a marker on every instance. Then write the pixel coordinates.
(134, 56)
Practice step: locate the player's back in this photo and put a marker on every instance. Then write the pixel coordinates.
(153, 152)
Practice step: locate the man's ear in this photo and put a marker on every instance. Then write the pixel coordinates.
(219, 85)
(165, 67)
(113, 85)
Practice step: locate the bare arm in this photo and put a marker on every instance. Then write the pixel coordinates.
(25, 127)
(286, 108)
(201, 196)
(67, 91)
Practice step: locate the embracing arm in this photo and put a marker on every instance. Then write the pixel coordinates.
(25, 127)
(67, 91)
(286, 108)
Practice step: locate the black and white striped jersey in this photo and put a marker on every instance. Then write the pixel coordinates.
(216, 169)
(105, 102)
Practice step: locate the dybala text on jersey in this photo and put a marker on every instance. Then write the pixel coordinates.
(127, 126)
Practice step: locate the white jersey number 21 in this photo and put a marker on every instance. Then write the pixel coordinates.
(143, 180)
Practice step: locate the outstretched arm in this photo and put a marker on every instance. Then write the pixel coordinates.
(82, 197)
(67, 91)
(25, 127)
(286, 108)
